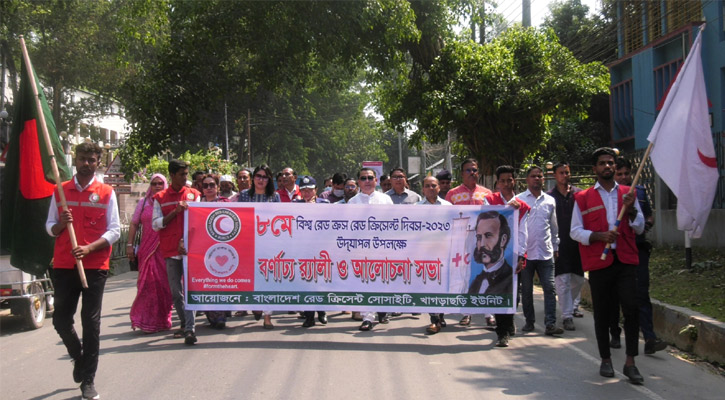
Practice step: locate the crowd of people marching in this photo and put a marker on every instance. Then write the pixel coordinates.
(567, 231)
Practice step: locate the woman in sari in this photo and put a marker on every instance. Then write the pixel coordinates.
(151, 310)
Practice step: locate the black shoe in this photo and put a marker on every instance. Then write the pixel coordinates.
(606, 369)
(569, 324)
(615, 343)
(396, 314)
(652, 346)
(503, 341)
(77, 366)
(308, 322)
(528, 327)
(322, 318)
(220, 325)
(189, 338)
(633, 374)
(366, 326)
(88, 390)
(552, 330)
(442, 322)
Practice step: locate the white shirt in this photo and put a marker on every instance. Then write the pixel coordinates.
(541, 226)
(609, 199)
(439, 202)
(113, 222)
(374, 198)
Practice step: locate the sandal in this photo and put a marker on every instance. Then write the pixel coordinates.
(466, 320)
(178, 334)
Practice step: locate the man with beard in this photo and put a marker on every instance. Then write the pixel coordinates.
(93, 211)
(226, 187)
(613, 281)
(350, 190)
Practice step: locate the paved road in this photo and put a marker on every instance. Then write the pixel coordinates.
(397, 360)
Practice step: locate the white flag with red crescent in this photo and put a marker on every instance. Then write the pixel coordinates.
(683, 153)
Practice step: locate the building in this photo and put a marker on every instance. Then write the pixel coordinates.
(654, 38)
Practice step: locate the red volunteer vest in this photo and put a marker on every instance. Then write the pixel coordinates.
(594, 218)
(89, 209)
(496, 199)
(173, 232)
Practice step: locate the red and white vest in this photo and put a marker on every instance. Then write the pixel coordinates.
(594, 218)
(173, 232)
(89, 209)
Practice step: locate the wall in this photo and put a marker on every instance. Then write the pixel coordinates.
(665, 231)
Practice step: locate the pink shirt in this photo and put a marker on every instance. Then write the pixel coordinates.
(463, 195)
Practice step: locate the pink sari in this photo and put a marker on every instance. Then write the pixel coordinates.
(151, 310)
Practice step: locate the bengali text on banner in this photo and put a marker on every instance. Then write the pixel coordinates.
(297, 256)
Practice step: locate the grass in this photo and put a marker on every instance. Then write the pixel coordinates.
(701, 288)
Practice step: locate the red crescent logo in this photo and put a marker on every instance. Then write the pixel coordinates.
(218, 225)
(708, 161)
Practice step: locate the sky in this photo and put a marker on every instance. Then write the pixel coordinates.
(511, 9)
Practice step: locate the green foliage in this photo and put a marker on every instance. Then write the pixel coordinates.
(209, 161)
(590, 38)
(498, 98)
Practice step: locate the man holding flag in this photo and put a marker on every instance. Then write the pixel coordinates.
(93, 211)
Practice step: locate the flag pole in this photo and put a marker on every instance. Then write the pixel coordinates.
(51, 154)
(631, 192)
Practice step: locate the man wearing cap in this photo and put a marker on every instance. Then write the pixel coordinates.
(289, 190)
(168, 220)
(93, 211)
(400, 194)
(226, 187)
(444, 182)
(308, 186)
(337, 192)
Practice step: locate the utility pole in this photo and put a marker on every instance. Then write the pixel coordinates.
(526, 13)
(226, 133)
(400, 149)
(249, 139)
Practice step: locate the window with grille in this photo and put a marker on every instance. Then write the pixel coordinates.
(682, 12)
(622, 110)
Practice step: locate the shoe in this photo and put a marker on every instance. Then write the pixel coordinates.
(322, 318)
(309, 322)
(432, 329)
(528, 327)
(633, 374)
(512, 330)
(179, 334)
(606, 369)
(652, 346)
(615, 343)
(241, 313)
(88, 390)
(220, 325)
(356, 316)
(577, 314)
(569, 324)
(257, 315)
(503, 341)
(366, 326)
(396, 314)
(268, 326)
(490, 321)
(442, 322)
(189, 338)
(385, 320)
(465, 321)
(77, 366)
(552, 330)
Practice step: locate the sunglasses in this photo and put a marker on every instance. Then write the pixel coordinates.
(157, 184)
(471, 170)
(208, 185)
(367, 178)
(262, 177)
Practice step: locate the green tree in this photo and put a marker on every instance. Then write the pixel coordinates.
(499, 98)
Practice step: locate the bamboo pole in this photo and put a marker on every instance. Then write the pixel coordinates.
(631, 192)
(51, 154)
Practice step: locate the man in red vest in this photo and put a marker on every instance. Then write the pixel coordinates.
(93, 211)
(168, 220)
(289, 191)
(593, 225)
